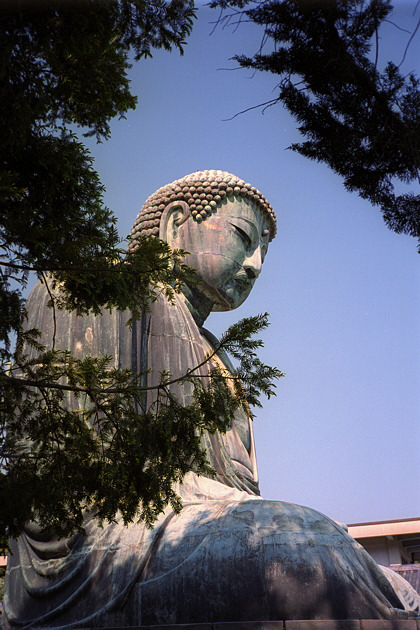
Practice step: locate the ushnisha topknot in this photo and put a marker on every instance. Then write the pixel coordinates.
(203, 191)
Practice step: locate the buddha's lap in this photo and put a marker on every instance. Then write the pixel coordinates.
(259, 559)
(218, 560)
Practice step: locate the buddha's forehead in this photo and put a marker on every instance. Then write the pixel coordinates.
(246, 210)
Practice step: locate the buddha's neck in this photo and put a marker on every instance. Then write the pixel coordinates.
(199, 305)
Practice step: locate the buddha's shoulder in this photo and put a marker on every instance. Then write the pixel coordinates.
(212, 344)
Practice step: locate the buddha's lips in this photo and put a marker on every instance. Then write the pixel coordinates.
(243, 282)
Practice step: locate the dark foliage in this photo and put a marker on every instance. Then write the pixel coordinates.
(363, 123)
(63, 457)
(64, 65)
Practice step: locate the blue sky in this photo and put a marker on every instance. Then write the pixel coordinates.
(342, 435)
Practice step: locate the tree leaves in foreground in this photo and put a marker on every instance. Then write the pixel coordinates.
(364, 123)
(73, 435)
(75, 438)
(64, 65)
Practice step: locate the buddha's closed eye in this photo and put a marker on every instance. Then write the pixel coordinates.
(244, 236)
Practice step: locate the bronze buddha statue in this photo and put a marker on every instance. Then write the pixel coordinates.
(229, 555)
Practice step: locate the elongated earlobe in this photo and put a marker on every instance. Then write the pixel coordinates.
(174, 215)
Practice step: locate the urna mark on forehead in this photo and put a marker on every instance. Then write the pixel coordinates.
(203, 193)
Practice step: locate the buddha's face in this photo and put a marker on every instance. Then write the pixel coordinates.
(227, 250)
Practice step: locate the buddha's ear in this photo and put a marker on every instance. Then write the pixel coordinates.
(174, 215)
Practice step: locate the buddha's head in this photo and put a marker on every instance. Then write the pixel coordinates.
(224, 224)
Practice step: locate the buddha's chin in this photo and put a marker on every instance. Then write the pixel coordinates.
(231, 298)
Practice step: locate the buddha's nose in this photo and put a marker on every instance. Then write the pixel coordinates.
(253, 263)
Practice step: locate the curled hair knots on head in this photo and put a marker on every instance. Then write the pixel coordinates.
(203, 191)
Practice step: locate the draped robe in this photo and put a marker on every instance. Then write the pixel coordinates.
(228, 556)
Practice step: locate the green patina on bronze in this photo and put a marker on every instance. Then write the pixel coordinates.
(229, 555)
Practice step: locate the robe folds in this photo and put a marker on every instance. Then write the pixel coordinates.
(228, 556)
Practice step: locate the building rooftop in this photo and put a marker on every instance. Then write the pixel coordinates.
(404, 532)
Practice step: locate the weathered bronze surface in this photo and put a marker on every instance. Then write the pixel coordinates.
(229, 556)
